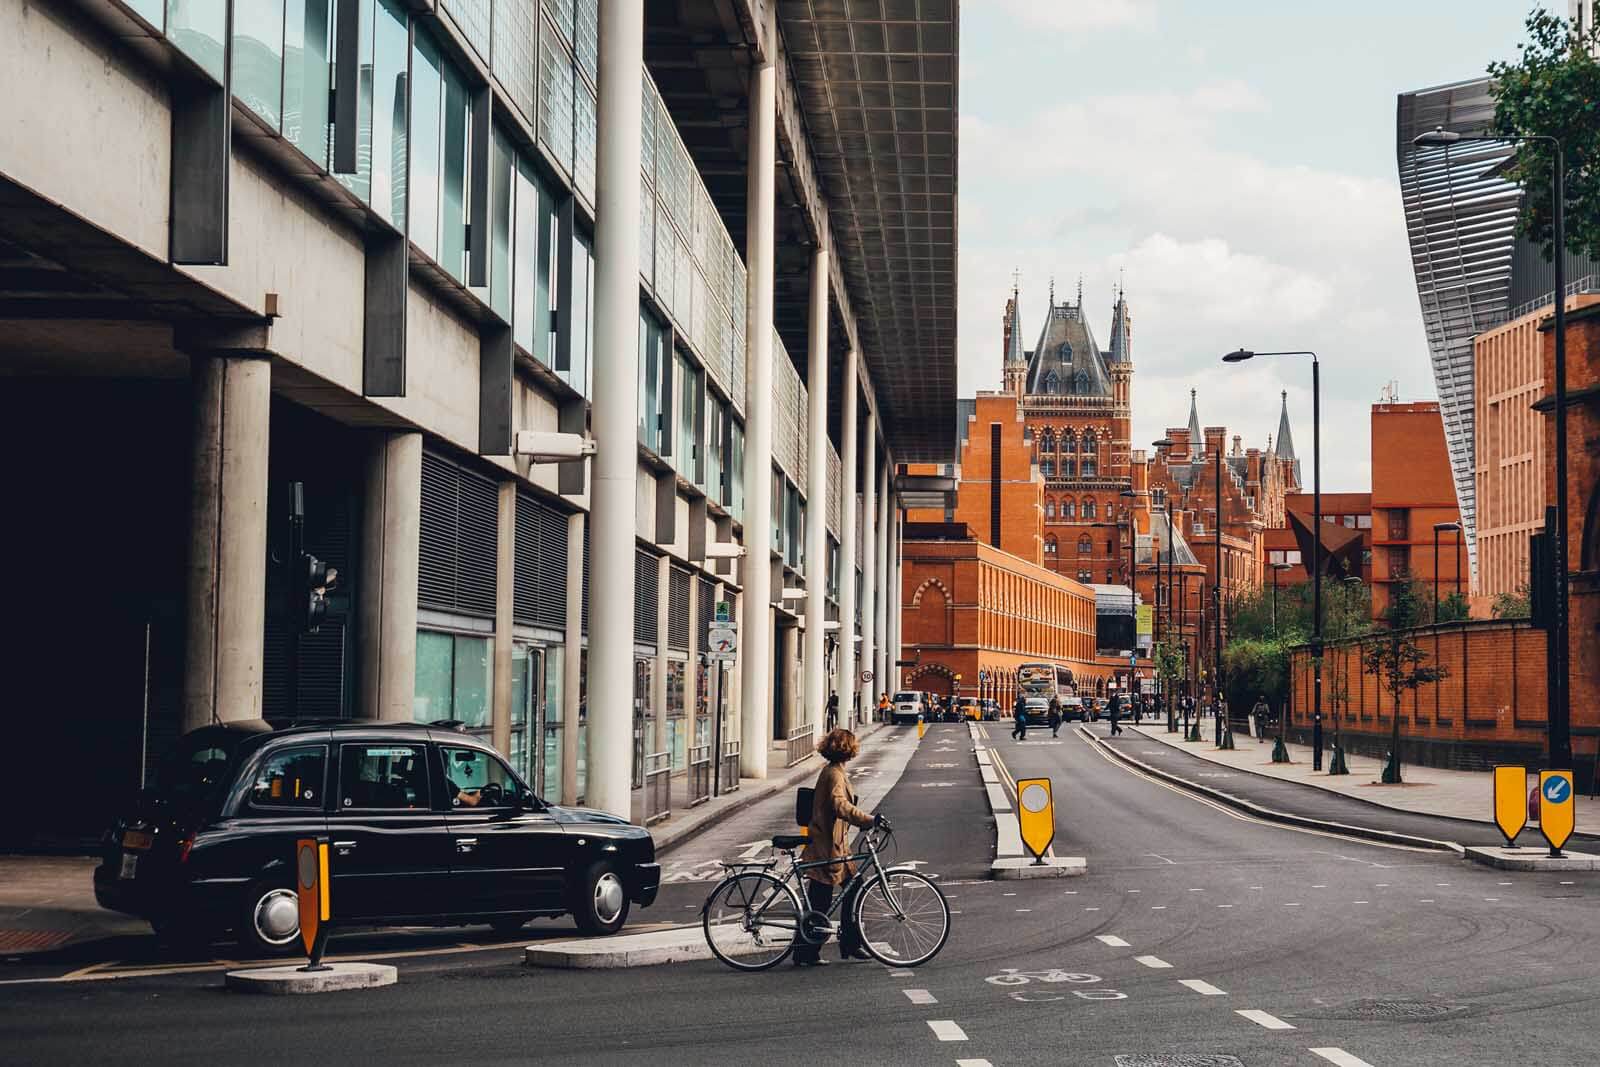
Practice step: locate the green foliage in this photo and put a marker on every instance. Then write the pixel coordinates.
(1256, 667)
(1453, 608)
(1408, 605)
(1169, 663)
(1553, 90)
(1250, 613)
(1518, 605)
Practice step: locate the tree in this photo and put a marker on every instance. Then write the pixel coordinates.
(1255, 667)
(1517, 605)
(1170, 666)
(1396, 661)
(1553, 90)
(1452, 608)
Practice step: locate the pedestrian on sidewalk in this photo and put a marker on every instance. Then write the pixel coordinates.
(833, 812)
(1260, 713)
(833, 711)
(1019, 715)
(1116, 713)
(1054, 718)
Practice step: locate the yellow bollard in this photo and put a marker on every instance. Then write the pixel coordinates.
(922, 728)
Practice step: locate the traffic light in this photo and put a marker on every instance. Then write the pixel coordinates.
(317, 580)
(311, 581)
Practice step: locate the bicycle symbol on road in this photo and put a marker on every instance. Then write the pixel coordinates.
(1011, 976)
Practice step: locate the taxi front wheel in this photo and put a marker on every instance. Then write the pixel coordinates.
(599, 900)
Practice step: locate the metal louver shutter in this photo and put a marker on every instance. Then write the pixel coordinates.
(539, 588)
(706, 600)
(646, 597)
(678, 617)
(456, 568)
(319, 678)
(587, 594)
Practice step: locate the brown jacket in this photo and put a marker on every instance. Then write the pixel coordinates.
(833, 812)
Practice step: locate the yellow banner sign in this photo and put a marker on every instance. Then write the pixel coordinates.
(1557, 813)
(1511, 801)
(1146, 620)
(1036, 814)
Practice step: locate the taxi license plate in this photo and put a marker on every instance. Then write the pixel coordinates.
(136, 839)
(130, 866)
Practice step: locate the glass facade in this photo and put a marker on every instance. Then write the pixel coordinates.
(454, 678)
(199, 29)
(258, 58)
(677, 721)
(307, 75)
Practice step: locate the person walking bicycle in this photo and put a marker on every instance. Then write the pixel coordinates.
(833, 812)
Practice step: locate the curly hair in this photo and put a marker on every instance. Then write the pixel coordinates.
(838, 746)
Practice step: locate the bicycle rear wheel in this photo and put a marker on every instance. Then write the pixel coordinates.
(751, 920)
(903, 917)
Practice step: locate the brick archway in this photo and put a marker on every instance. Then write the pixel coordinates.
(933, 678)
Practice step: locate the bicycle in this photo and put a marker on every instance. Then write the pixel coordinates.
(753, 918)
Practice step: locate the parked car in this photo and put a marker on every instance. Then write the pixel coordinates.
(427, 826)
(991, 710)
(1073, 708)
(908, 706)
(969, 708)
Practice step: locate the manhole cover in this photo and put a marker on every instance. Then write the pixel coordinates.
(1394, 1009)
(1180, 1060)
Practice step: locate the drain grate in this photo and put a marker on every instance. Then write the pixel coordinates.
(1395, 1009)
(1182, 1059)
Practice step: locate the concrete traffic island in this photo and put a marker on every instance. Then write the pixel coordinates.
(1533, 859)
(291, 979)
(677, 945)
(1025, 867)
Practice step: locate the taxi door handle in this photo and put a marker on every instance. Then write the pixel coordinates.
(466, 844)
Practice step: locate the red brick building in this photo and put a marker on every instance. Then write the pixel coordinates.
(1412, 492)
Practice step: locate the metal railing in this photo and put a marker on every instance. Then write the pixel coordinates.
(728, 773)
(699, 774)
(657, 786)
(802, 741)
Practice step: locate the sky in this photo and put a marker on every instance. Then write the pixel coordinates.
(1233, 162)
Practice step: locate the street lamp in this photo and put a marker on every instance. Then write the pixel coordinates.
(1133, 588)
(1239, 356)
(1557, 651)
(1166, 697)
(1438, 527)
(1336, 760)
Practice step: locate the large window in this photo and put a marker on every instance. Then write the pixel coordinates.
(534, 253)
(580, 290)
(716, 448)
(736, 472)
(685, 443)
(439, 158)
(258, 57)
(307, 51)
(652, 370)
(454, 678)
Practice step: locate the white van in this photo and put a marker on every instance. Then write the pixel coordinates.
(909, 705)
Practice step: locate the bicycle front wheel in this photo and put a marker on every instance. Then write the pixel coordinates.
(751, 920)
(903, 917)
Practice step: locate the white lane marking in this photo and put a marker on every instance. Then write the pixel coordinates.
(1022, 910)
(1153, 962)
(1008, 894)
(1111, 939)
(946, 1030)
(1340, 1057)
(1162, 858)
(1255, 887)
(1425, 900)
(1140, 890)
(1361, 902)
(902, 973)
(973, 1063)
(1492, 900)
(1319, 887)
(1291, 904)
(919, 996)
(1204, 988)
(1261, 1018)
(1197, 890)
(1441, 885)
(1158, 907)
(1224, 905)
(1091, 909)
(1566, 883)
(1502, 883)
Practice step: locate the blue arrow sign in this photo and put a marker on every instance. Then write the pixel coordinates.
(1556, 790)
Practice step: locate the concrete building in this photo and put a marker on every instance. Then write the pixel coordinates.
(399, 268)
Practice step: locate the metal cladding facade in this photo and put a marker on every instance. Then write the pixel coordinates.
(1461, 223)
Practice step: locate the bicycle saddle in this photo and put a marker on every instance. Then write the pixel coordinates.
(789, 841)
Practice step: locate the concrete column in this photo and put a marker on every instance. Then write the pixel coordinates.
(885, 594)
(386, 597)
(846, 684)
(816, 693)
(572, 661)
(504, 585)
(791, 679)
(869, 557)
(227, 579)
(615, 410)
(756, 707)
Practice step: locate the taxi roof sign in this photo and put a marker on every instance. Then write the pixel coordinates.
(1036, 815)
(1510, 801)
(1556, 804)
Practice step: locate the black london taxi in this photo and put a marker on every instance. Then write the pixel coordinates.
(426, 826)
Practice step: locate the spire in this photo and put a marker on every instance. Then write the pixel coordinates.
(1285, 440)
(1014, 327)
(1196, 439)
(1080, 292)
(1121, 330)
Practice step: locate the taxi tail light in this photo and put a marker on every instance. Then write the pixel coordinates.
(184, 845)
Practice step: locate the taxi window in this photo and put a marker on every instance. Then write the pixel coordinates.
(383, 776)
(290, 778)
(475, 779)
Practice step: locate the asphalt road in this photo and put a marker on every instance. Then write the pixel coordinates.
(1371, 954)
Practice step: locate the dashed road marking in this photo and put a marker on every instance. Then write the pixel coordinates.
(1319, 887)
(1111, 939)
(1022, 910)
(1340, 1057)
(1091, 909)
(946, 1030)
(1291, 904)
(903, 972)
(919, 996)
(1140, 890)
(1361, 902)
(1502, 883)
(1380, 885)
(1153, 962)
(973, 1063)
(1441, 885)
(1264, 1019)
(1492, 900)
(1567, 883)
(1425, 900)
(1224, 905)
(1197, 890)
(1204, 988)
(1158, 907)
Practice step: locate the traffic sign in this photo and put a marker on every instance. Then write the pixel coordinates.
(1510, 806)
(1036, 815)
(723, 639)
(1556, 816)
(723, 613)
(866, 677)
(311, 870)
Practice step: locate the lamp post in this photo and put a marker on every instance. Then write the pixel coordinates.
(1336, 761)
(1239, 356)
(1437, 528)
(1560, 754)
(1166, 695)
(1133, 587)
(1280, 750)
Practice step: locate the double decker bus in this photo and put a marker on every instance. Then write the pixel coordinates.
(1040, 682)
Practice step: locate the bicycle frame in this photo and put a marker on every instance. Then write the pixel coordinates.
(793, 877)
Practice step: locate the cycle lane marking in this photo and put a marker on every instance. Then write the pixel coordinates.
(1264, 1019)
(1153, 962)
(946, 1030)
(1111, 939)
(920, 996)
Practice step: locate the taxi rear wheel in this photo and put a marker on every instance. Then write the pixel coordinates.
(269, 920)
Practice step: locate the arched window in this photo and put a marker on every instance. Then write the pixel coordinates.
(1047, 441)
(1047, 467)
(1088, 464)
(1088, 507)
(1049, 509)
(1050, 547)
(1084, 547)
(1069, 509)
(1069, 441)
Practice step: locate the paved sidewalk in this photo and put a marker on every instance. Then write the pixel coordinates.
(1425, 791)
